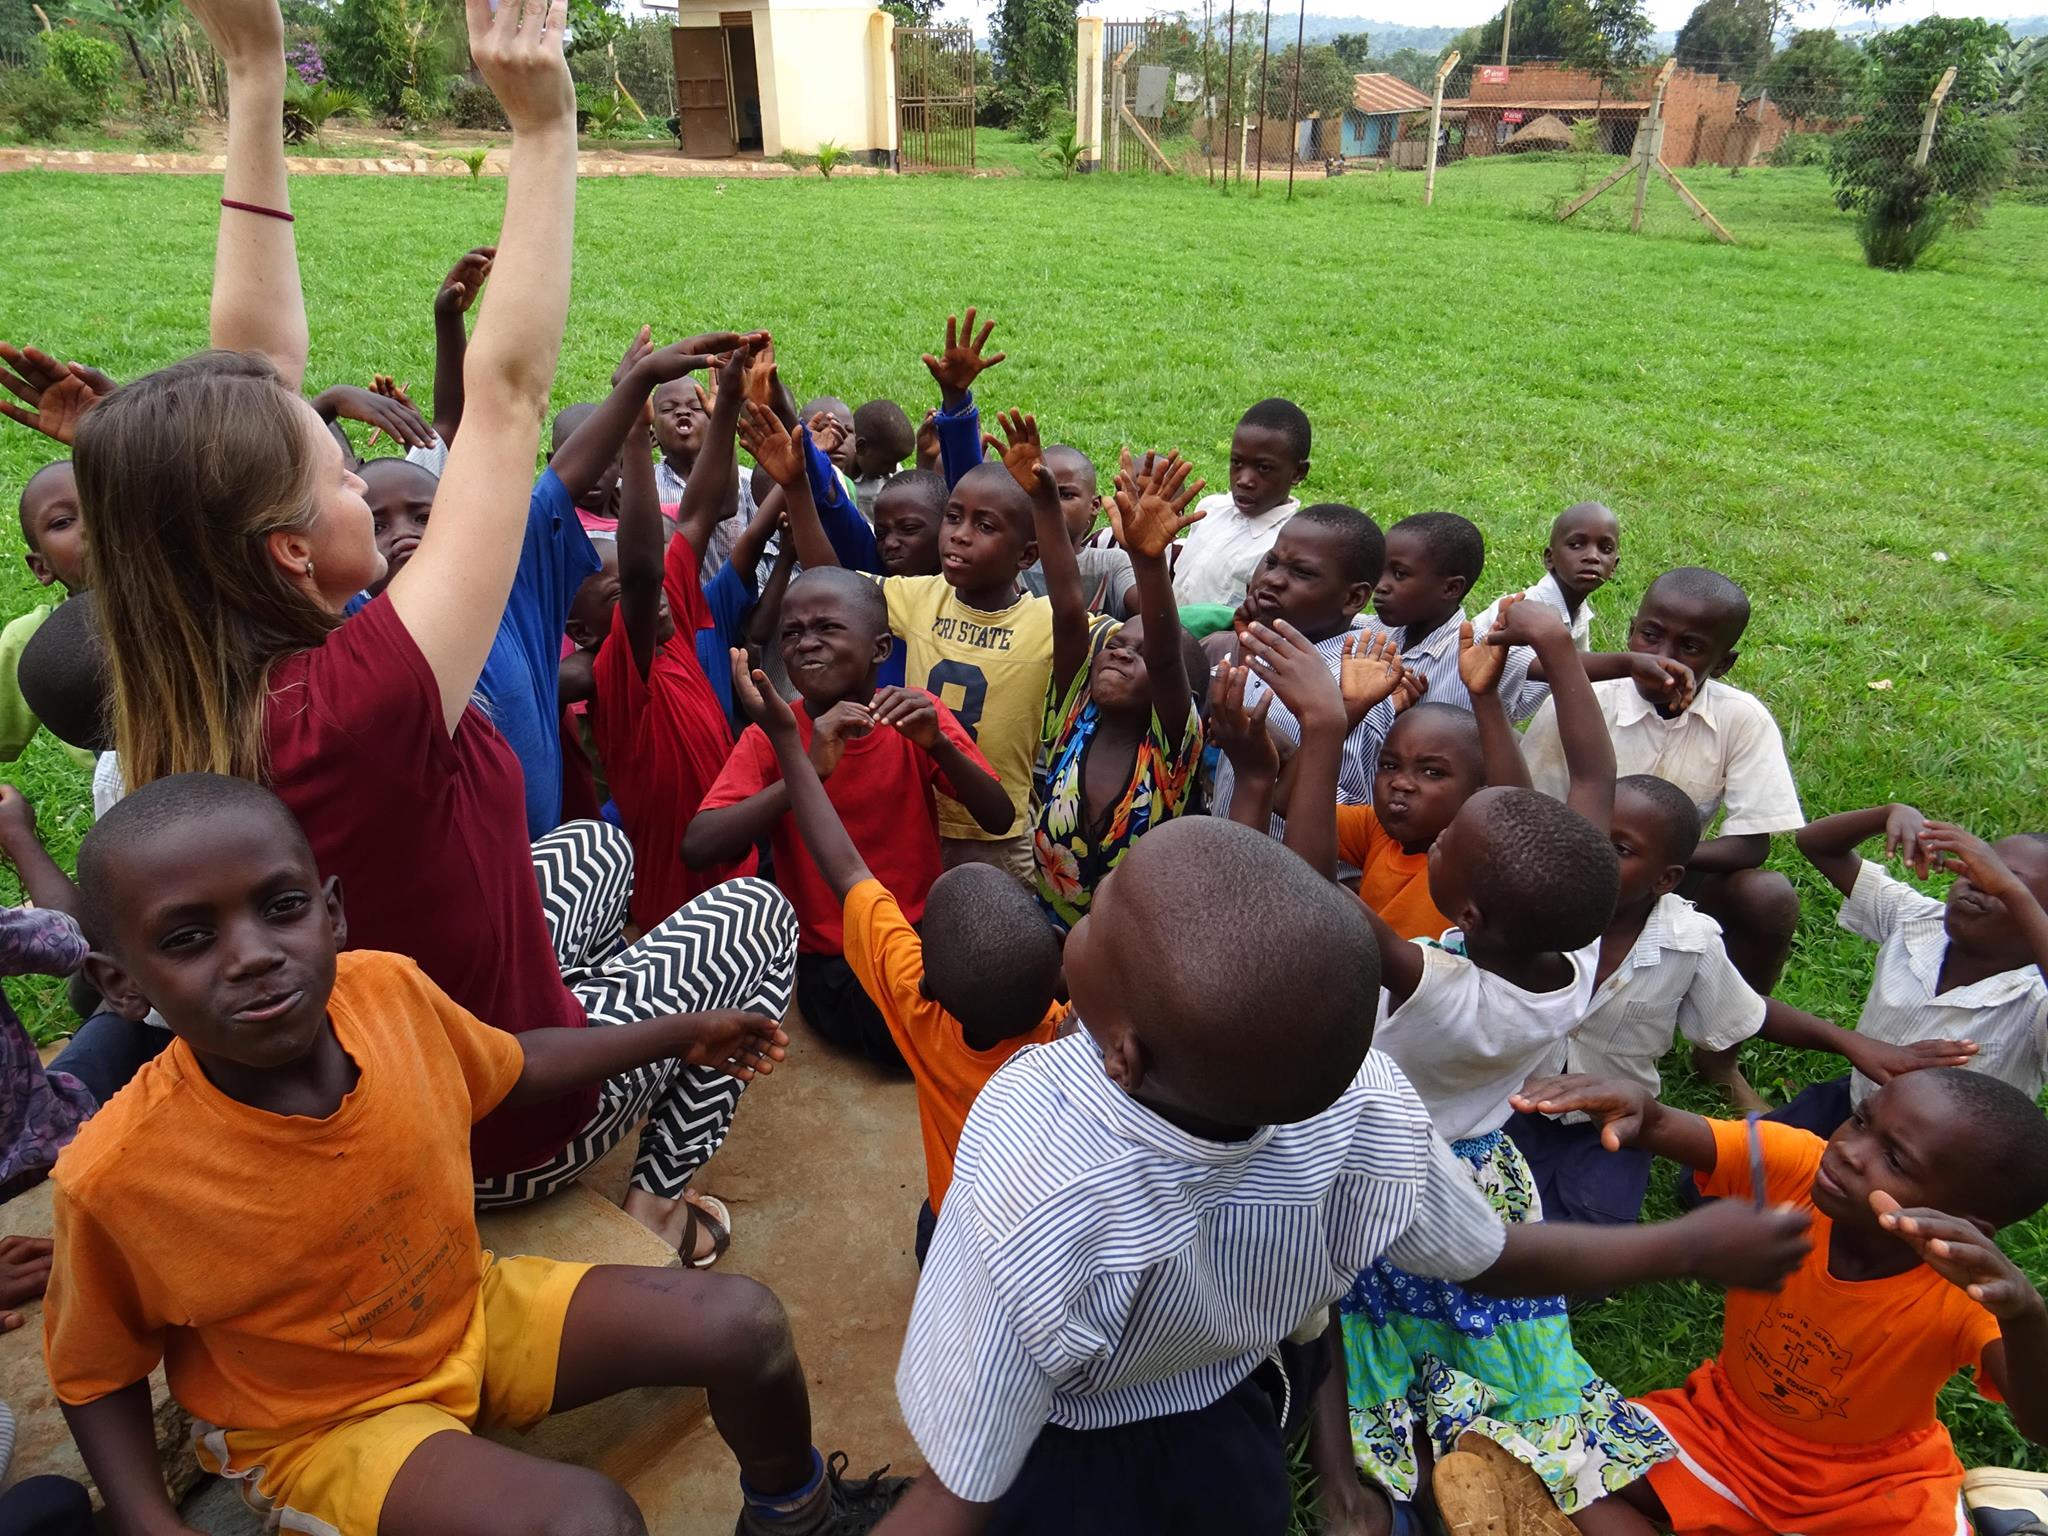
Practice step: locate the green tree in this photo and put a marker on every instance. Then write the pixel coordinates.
(1731, 38)
(1033, 43)
(1355, 49)
(1616, 40)
(1326, 82)
(1409, 64)
(1543, 29)
(381, 47)
(1819, 75)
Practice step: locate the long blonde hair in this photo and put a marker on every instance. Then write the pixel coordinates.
(182, 476)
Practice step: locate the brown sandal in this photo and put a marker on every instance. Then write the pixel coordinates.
(1469, 1499)
(1531, 1511)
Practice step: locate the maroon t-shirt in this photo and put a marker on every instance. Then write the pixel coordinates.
(428, 835)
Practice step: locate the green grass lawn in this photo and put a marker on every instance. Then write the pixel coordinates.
(1866, 452)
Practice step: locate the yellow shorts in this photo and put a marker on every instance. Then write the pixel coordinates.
(333, 1479)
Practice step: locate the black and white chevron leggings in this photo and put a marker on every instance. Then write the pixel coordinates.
(733, 947)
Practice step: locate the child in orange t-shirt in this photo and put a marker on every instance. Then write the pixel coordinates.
(1818, 1414)
(279, 1209)
(962, 1000)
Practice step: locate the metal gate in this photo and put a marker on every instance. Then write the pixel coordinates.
(1136, 86)
(934, 98)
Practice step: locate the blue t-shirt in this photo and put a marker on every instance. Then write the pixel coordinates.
(518, 686)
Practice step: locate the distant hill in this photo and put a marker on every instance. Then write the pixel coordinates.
(1387, 37)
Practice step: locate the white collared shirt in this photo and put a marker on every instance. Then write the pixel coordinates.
(1676, 980)
(1220, 553)
(1725, 751)
(1096, 1266)
(1467, 1038)
(1529, 696)
(2006, 1014)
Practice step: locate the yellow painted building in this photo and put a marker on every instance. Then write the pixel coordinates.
(775, 75)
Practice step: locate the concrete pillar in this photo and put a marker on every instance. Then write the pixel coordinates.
(1088, 90)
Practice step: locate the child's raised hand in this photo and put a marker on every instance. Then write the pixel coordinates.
(54, 395)
(1521, 623)
(778, 450)
(1963, 1254)
(1944, 845)
(764, 706)
(1149, 510)
(759, 385)
(929, 455)
(828, 432)
(739, 1044)
(910, 710)
(1368, 670)
(1479, 665)
(1617, 1106)
(1242, 735)
(1294, 669)
(1021, 453)
(1902, 828)
(385, 412)
(1409, 690)
(636, 352)
(518, 50)
(465, 280)
(961, 363)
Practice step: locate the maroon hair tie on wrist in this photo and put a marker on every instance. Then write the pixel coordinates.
(268, 213)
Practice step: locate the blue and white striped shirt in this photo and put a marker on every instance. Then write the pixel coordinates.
(1095, 1265)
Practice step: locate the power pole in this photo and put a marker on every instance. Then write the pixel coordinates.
(1507, 25)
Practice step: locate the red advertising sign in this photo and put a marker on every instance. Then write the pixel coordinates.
(1493, 74)
(1511, 117)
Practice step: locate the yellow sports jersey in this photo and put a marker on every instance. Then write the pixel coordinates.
(991, 668)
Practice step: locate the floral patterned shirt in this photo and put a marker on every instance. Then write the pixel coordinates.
(40, 1111)
(1072, 856)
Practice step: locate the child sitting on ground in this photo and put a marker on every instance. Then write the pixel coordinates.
(1268, 459)
(1433, 560)
(1973, 967)
(1144, 1212)
(53, 533)
(1122, 738)
(342, 1339)
(959, 1000)
(883, 755)
(1580, 558)
(1818, 1415)
(1108, 584)
(1664, 973)
(661, 730)
(1316, 576)
(973, 640)
(40, 1111)
(882, 439)
(1529, 883)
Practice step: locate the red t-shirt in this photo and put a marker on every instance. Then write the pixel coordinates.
(427, 833)
(882, 790)
(663, 739)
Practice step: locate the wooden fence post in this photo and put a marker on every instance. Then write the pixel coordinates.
(1649, 144)
(1934, 102)
(1436, 120)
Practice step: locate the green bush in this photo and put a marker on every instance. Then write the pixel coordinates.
(830, 153)
(165, 125)
(1902, 217)
(41, 103)
(1801, 149)
(88, 64)
(413, 108)
(1043, 108)
(471, 105)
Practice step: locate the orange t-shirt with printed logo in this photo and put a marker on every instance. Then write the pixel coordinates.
(284, 1269)
(887, 957)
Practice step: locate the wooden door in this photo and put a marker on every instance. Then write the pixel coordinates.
(706, 128)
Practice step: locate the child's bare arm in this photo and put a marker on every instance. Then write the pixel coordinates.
(1479, 667)
(116, 1436)
(1400, 959)
(1287, 663)
(258, 305)
(640, 546)
(1831, 843)
(452, 300)
(558, 1061)
(1244, 740)
(713, 487)
(1671, 681)
(780, 451)
(928, 1509)
(1728, 1243)
(1878, 1060)
(723, 833)
(1726, 855)
(46, 883)
(764, 628)
(1968, 1257)
(817, 823)
(1581, 728)
(1026, 464)
(453, 591)
(1148, 514)
(1628, 1115)
(1947, 846)
(915, 713)
(752, 542)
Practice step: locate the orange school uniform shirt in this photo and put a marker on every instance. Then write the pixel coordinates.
(1818, 1413)
(283, 1269)
(887, 956)
(1394, 884)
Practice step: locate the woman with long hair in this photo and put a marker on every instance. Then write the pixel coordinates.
(227, 532)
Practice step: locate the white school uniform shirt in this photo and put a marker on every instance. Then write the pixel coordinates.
(1467, 1038)
(1676, 980)
(433, 458)
(1220, 553)
(1528, 697)
(1725, 751)
(1096, 1266)
(2006, 1014)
